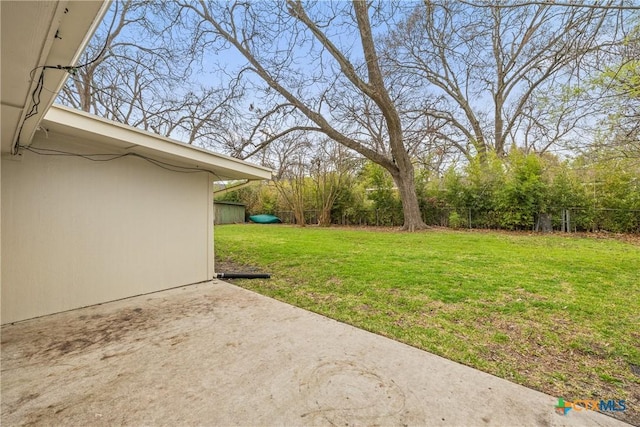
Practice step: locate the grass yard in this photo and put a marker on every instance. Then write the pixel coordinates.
(558, 314)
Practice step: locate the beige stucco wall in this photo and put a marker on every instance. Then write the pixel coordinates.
(77, 232)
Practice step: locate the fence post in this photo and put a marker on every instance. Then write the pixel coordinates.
(566, 221)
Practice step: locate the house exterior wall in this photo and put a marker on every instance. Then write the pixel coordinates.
(77, 232)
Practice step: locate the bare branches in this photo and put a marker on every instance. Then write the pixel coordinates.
(618, 86)
(271, 138)
(331, 170)
(573, 5)
(320, 84)
(508, 53)
(138, 77)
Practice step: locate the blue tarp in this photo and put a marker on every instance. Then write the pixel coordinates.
(265, 219)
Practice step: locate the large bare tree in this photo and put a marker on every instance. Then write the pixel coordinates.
(502, 71)
(318, 67)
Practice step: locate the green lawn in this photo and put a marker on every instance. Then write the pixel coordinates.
(558, 314)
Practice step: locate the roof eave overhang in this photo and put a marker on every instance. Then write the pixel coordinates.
(93, 129)
(72, 25)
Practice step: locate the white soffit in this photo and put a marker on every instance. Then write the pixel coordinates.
(34, 34)
(90, 129)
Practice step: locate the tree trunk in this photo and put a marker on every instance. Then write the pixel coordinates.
(410, 207)
(325, 217)
(298, 214)
(298, 196)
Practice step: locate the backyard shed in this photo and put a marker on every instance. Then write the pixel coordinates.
(229, 212)
(92, 210)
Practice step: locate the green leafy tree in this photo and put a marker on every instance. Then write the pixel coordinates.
(524, 193)
(567, 192)
(618, 196)
(485, 179)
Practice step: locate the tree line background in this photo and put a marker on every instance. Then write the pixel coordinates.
(519, 192)
(517, 115)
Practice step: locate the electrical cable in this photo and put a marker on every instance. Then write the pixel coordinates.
(107, 157)
(72, 68)
(35, 97)
(35, 100)
(106, 40)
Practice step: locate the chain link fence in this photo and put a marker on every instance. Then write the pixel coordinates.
(570, 219)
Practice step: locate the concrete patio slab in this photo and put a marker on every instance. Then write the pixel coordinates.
(216, 354)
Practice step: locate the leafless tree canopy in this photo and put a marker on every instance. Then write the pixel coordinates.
(501, 75)
(138, 77)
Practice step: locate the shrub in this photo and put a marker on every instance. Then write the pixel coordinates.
(456, 221)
